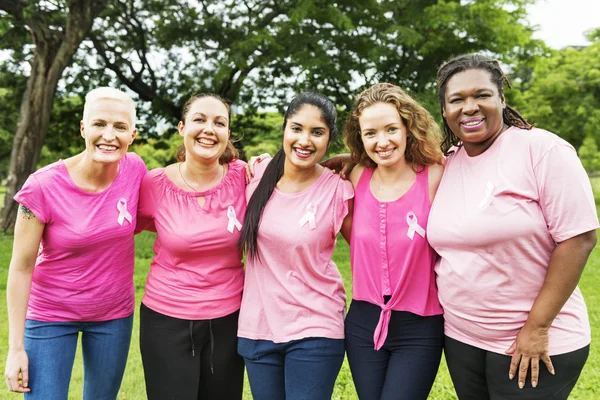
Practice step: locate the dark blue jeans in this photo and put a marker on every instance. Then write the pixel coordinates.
(51, 348)
(406, 365)
(301, 369)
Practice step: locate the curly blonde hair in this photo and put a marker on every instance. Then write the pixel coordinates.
(423, 138)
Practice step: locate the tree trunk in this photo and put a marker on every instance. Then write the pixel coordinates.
(53, 52)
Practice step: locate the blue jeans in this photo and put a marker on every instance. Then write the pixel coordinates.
(299, 369)
(51, 347)
(405, 367)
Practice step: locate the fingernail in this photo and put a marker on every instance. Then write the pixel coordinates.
(552, 372)
(510, 376)
(534, 383)
(521, 384)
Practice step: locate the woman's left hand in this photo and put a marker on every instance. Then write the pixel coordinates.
(530, 347)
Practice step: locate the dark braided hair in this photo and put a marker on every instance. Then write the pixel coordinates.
(510, 116)
(274, 170)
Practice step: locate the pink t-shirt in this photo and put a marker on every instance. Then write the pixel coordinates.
(495, 221)
(197, 271)
(390, 254)
(294, 290)
(84, 270)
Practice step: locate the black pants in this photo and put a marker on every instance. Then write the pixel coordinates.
(483, 375)
(406, 365)
(190, 360)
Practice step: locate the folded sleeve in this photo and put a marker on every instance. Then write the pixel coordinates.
(565, 193)
(344, 193)
(31, 196)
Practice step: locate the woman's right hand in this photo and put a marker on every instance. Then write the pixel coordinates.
(251, 163)
(16, 372)
(341, 163)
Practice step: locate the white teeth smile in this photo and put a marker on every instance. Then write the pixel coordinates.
(206, 141)
(105, 147)
(305, 152)
(385, 153)
(472, 123)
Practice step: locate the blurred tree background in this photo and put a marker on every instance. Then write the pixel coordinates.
(258, 53)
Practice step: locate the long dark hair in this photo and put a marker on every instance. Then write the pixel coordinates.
(510, 116)
(274, 170)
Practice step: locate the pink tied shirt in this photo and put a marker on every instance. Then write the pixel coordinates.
(84, 271)
(390, 254)
(294, 289)
(495, 221)
(197, 272)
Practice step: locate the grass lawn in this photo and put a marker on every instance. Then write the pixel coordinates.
(587, 388)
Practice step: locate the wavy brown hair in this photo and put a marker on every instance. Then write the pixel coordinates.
(230, 153)
(423, 136)
(510, 116)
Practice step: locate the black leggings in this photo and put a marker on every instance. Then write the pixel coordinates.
(190, 360)
(483, 375)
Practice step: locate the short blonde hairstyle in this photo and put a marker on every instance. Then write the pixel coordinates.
(423, 136)
(106, 92)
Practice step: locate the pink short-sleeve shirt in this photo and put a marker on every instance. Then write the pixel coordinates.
(495, 221)
(197, 271)
(84, 270)
(294, 289)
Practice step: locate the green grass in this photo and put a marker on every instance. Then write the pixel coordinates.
(132, 388)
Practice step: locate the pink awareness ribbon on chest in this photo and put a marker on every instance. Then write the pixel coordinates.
(309, 216)
(233, 221)
(487, 200)
(413, 226)
(123, 213)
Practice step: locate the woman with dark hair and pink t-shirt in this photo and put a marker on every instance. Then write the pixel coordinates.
(394, 329)
(291, 328)
(189, 313)
(514, 221)
(72, 264)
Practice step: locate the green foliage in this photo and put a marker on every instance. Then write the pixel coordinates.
(589, 155)
(561, 92)
(259, 133)
(159, 152)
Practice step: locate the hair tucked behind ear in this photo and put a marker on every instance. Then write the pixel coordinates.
(257, 203)
(274, 170)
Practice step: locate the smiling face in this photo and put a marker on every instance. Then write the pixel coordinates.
(205, 130)
(305, 137)
(383, 134)
(473, 109)
(108, 129)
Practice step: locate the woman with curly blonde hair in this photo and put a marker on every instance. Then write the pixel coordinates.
(394, 328)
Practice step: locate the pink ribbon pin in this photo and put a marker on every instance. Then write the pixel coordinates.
(309, 216)
(413, 226)
(123, 213)
(233, 221)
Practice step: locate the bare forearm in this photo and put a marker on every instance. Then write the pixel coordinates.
(17, 296)
(564, 270)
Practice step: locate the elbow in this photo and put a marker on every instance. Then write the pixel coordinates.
(589, 240)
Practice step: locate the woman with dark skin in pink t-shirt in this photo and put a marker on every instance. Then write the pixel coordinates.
(72, 265)
(514, 222)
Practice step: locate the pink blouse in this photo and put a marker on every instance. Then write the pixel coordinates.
(390, 254)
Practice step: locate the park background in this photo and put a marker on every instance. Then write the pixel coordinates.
(258, 54)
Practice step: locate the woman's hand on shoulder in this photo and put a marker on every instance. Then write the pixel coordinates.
(16, 372)
(251, 164)
(530, 347)
(341, 163)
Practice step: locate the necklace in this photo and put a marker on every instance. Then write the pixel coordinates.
(190, 186)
